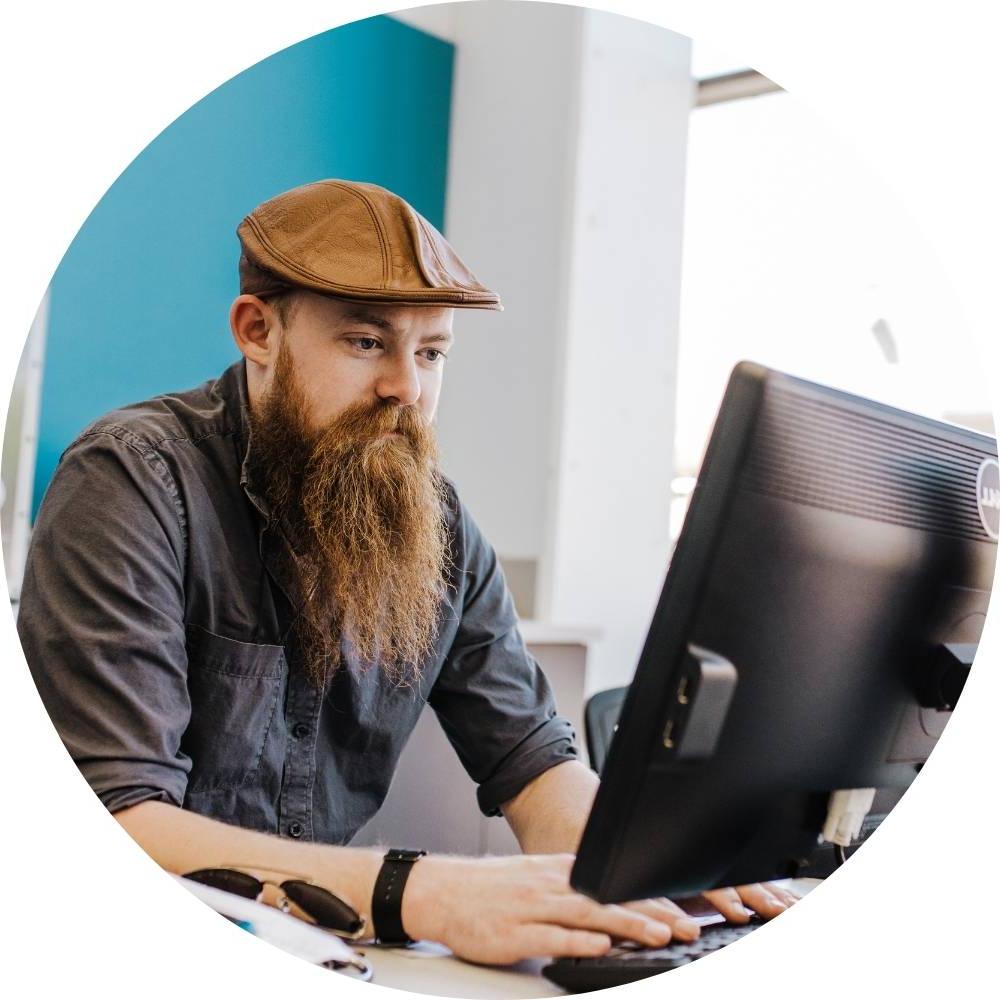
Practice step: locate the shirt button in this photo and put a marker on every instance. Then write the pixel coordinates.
(296, 829)
(300, 730)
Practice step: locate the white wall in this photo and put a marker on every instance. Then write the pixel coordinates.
(565, 193)
(507, 214)
(438, 19)
(607, 535)
(20, 446)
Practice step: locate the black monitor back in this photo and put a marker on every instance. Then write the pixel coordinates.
(834, 547)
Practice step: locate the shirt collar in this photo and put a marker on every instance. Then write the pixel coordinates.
(232, 386)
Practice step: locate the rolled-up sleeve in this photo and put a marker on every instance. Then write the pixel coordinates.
(491, 697)
(101, 618)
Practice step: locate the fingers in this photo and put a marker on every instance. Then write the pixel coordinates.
(577, 912)
(765, 899)
(560, 942)
(666, 911)
(657, 908)
(784, 894)
(730, 904)
(530, 940)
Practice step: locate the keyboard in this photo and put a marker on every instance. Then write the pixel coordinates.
(628, 963)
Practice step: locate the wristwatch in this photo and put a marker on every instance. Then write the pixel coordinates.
(387, 897)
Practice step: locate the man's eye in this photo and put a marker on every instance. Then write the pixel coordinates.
(434, 355)
(365, 343)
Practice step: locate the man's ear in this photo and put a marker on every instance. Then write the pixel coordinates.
(254, 324)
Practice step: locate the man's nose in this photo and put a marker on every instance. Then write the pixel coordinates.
(399, 382)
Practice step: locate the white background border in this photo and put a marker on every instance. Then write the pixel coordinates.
(87, 86)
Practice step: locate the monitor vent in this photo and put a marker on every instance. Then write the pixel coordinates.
(829, 455)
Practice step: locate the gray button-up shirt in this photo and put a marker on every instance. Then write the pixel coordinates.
(156, 617)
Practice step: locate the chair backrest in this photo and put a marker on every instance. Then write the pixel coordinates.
(600, 720)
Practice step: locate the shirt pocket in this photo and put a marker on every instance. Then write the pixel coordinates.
(236, 689)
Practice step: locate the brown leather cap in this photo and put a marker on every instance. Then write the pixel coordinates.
(354, 241)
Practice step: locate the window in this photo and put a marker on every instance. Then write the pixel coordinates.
(796, 255)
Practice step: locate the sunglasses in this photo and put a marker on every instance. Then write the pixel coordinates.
(321, 905)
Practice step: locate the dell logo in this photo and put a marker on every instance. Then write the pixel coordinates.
(988, 496)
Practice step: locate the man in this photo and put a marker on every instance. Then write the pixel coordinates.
(239, 598)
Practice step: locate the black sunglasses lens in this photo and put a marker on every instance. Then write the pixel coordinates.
(324, 907)
(223, 878)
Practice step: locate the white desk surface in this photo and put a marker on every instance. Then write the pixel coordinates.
(540, 633)
(430, 968)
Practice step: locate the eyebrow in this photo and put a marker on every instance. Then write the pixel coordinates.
(381, 323)
(437, 338)
(371, 319)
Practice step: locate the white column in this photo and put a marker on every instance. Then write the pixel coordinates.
(507, 214)
(606, 540)
(565, 193)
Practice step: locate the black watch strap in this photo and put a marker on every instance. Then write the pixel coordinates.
(387, 897)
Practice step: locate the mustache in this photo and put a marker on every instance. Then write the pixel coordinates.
(365, 422)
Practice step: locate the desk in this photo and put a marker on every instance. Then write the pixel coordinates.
(431, 968)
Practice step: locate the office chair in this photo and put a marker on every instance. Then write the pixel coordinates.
(600, 720)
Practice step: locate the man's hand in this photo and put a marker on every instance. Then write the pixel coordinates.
(550, 813)
(765, 899)
(500, 910)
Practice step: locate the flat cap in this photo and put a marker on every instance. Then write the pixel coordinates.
(354, 241)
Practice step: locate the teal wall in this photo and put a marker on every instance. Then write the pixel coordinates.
(139, 303)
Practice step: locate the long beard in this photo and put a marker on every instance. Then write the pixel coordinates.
(364, 505)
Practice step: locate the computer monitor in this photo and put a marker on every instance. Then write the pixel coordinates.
(816, 626)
